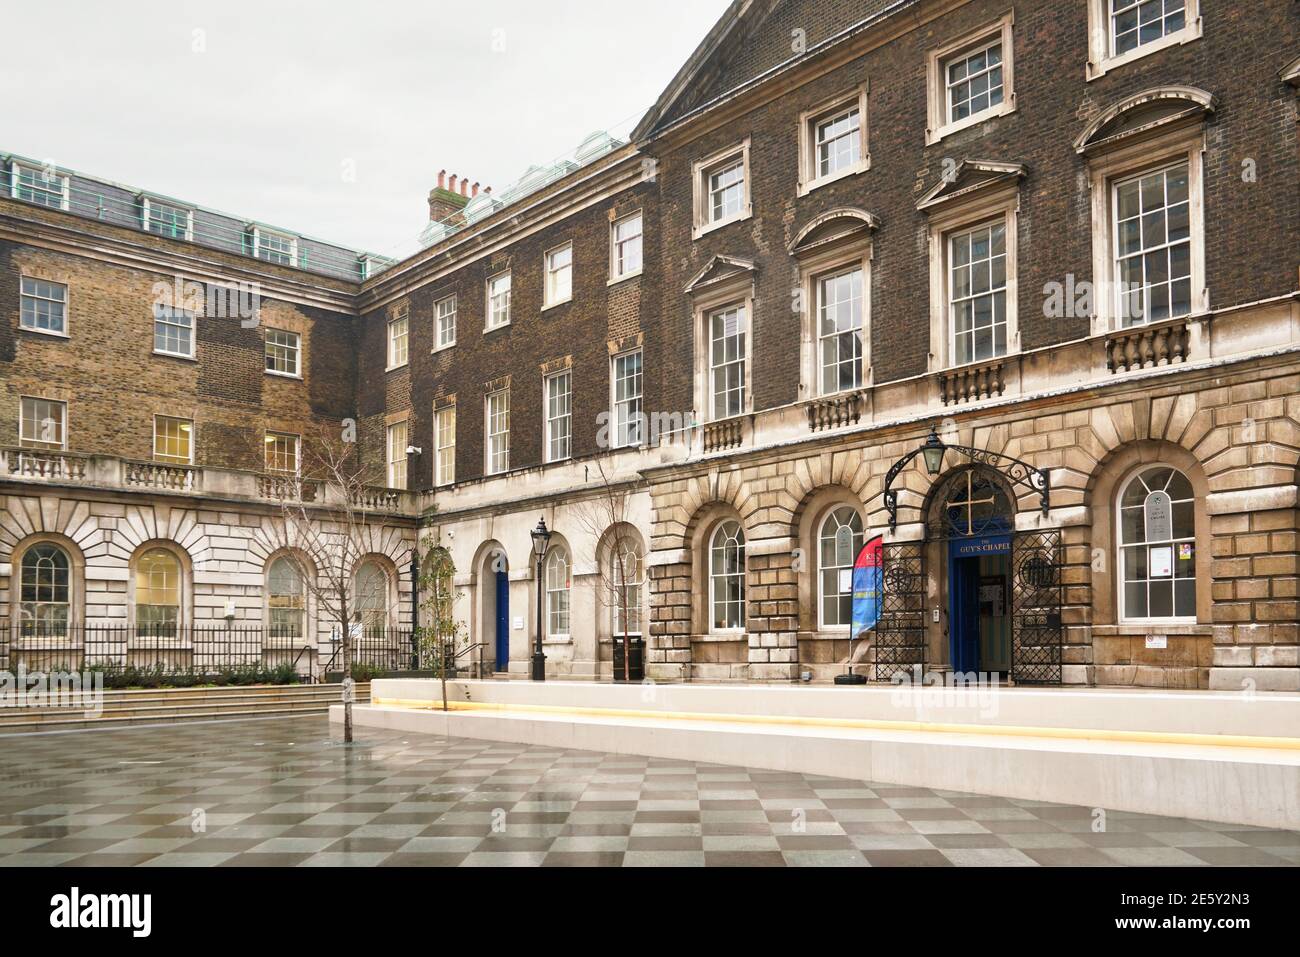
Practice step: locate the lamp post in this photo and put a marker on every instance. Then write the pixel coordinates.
(541, 539)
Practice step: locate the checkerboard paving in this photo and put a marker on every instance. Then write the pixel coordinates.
(285, 792)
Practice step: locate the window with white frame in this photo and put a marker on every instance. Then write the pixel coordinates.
(837, 141)
(283, 352)
(628, 417)
(1152, 239)
(728, 352)
(399, 337)
(42, 423)
(45, 591)
(286, 599)
(372, 597)
(498, 304)
(1135, 23)
(445, 321)
(839, 540)
(1120, 31)
(173, 331)
(158, 581)
(625, 255)
(977, 292)
(727, 577)
(625, 575)
(722, 189)
(559, 275)
(726, 190)
(444, 444)
(397, 454)
(840, 330)
(44, 306)
(166, 219)
(498, 432)
(44, 187)
(282, 452)
(970, 79)
(173, 439)
(275, 247)
(559, 416)
(1157, 536)
(557, 593)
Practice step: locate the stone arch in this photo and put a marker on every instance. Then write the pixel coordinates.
(703, 524)
(1112, 474)
(186, 564)
(489, 558)
(305, 567)
(391, 599)
(77, 574)
(626, 535)
(805, 524)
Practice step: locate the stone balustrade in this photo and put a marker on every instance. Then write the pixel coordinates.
(1143, 347)
(724, 434)
(833, 411)
(970, 383)
(54, 467)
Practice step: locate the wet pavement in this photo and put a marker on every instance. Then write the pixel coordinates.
(285, 792)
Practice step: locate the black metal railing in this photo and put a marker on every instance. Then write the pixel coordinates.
(54, 646)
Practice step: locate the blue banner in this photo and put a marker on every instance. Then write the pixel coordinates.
(867, 587)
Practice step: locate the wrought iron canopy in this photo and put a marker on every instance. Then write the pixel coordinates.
(933, 450)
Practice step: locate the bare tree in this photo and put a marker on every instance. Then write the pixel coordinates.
(441, 632)
(606, 519)
(329, 520)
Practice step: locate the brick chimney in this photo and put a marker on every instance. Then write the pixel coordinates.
(448, 198)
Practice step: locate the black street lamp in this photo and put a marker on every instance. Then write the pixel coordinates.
(933, 452)
(541, 539)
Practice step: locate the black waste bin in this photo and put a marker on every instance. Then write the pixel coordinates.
(636, 669)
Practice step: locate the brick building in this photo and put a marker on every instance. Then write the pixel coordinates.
(1043, 233)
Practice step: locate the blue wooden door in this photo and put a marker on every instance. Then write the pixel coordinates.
(963, 613)
(503, 621)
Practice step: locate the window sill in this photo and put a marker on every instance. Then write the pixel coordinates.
(1187, 34)
(557, 303)
(705, 228)
(1176, 628)
(1005, 108)
(862, 166)
(615, 280)
(45, 332)
(283, 375)
(400, 365)
(557, 640)
(175, 355)
(26, 445)
(491, 329)
(436, 349)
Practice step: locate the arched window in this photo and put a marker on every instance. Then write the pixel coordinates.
(727, 577)
(625, 574)
(157, 592)
(372, 597)
(557, 593)
(287, 599)
(1157, 535)
(46, 590)
(839, 542)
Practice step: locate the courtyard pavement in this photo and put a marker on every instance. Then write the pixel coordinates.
(284, 792)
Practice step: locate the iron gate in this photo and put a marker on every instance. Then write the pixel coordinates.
(1037, 632)
(900, 633)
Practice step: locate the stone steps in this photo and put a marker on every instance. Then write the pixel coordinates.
(164, 705)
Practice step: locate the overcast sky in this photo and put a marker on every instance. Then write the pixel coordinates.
(330, 117)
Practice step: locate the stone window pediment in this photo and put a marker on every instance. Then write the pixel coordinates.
(968, 178)
(834, 228)
(1151, 112)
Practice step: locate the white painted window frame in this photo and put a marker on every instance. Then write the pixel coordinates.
(165, 457)
(488, 325)
(439, 478)
(438, 317)
(615, 276)
(1101, 42)
(548, 420)
(938, 125)
(550, 276)
(34, 443)
(809, 178)
(701, 170)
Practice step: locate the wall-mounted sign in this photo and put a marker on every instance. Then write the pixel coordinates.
(1157, 641)
(519, 624)
(1160, 517)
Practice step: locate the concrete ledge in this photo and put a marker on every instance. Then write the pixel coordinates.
(1238, 785)
(1207, 756)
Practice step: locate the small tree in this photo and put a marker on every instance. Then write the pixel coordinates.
(329, 520)
(441, 633)
(606, 519)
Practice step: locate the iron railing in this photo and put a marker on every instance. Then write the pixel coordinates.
(53, 646)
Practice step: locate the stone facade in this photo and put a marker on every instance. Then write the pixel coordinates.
(1211, 392)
